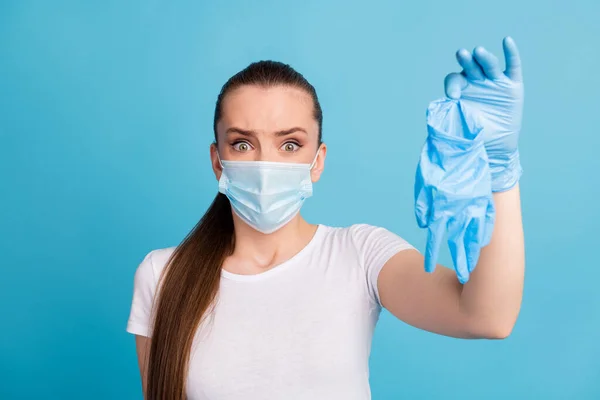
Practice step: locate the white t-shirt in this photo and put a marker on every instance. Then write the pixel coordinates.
(301, 330)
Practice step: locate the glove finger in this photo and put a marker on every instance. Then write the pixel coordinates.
(513, 60)
(489, 62)
(473, 242)
(454, 83)
(458, 253)
(471, 69)
(422, 196)
(435, 234)
(490, 217)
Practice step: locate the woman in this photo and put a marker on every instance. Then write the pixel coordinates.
(257, 303)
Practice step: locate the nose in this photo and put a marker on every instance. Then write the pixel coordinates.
(264, 154)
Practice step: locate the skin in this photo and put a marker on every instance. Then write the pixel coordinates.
(142, 345)
(487, 306)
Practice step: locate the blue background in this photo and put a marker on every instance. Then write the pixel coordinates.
(105, 122)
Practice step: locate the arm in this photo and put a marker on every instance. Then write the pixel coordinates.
(142, 345)
(486, 306)
(140, 315)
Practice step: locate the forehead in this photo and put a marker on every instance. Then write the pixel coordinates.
(267, 109)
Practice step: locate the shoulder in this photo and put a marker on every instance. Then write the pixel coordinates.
(153, 263)
(369, 247)
(360, 231)
(365, 236)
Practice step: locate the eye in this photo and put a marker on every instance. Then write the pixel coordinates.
(290, 147)
(242, 146)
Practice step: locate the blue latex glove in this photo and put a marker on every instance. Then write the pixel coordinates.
(453, 186)
(497, 97)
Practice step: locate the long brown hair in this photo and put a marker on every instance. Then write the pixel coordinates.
(190, 281)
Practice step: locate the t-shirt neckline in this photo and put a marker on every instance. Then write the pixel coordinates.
(280, 267)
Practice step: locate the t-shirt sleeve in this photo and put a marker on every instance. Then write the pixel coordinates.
(375, 247)
(144, 284)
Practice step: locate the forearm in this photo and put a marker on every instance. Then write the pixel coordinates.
(492, 296)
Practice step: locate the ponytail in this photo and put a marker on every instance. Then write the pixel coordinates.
(188, 288)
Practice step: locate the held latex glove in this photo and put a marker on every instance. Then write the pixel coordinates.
(453, 186)
(497, 98)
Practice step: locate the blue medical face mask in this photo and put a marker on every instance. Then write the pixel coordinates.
(266, 194)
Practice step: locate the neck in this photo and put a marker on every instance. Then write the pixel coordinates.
(256, 252)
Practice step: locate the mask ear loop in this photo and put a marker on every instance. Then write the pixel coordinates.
(219, 158)
(314, 160)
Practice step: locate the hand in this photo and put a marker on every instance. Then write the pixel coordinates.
(497, 99)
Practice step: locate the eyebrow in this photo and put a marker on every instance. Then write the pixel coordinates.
(253, 133)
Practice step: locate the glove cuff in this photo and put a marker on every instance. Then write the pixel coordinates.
(506, 172)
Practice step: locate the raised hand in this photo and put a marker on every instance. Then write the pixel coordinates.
(496, 98)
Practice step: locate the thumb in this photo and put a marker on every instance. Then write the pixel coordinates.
(454, 84)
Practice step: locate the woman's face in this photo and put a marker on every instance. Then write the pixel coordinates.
(268, 124)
